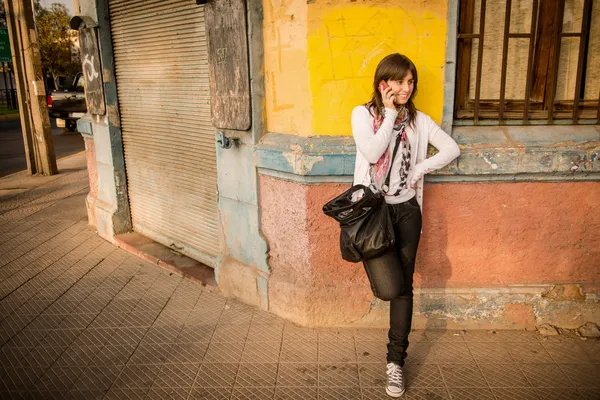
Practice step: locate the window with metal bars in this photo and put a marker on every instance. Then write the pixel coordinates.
(528, 61)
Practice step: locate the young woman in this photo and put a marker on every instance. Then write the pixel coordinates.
(389, 126)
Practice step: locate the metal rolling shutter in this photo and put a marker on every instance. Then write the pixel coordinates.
(170, 157)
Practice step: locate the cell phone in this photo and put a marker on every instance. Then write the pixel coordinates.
(382, 85)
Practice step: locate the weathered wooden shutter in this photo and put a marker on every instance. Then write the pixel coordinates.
(170, 156)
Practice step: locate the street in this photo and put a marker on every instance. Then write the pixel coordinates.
(12, 150)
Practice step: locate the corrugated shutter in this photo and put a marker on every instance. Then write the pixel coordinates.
(170, 157)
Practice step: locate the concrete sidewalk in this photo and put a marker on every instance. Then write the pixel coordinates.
(81, 318)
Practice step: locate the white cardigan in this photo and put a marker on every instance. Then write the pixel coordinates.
(370, 147)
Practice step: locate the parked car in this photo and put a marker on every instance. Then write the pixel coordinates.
(68, 104)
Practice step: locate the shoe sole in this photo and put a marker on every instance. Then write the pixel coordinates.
(395, 395)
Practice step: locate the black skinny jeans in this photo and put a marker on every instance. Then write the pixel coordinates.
(391, 276)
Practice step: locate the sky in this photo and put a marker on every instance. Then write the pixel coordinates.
(68, 3)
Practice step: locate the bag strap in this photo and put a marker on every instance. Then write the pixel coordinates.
(387, 178)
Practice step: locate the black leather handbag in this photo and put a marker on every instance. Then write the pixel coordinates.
(366, 229)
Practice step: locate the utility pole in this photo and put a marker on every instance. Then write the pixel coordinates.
(31, 90)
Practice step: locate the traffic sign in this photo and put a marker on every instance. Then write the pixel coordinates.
(5, 55)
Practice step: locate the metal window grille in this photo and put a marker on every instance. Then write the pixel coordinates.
(492, 46)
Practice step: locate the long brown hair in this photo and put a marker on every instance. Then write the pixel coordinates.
(395, 67)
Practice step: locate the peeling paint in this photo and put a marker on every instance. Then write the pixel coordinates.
(488, 159)
(301, 163)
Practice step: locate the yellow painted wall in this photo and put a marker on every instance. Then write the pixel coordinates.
(320, 58)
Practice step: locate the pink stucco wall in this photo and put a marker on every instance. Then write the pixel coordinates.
(474, 235)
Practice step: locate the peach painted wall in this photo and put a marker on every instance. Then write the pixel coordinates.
(474, 235)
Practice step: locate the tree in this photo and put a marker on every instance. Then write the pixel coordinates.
(56, 41)
(2, 15)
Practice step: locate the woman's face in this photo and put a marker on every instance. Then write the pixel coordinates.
(402, 89)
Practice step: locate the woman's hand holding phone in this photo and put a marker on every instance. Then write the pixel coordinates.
(386, 94)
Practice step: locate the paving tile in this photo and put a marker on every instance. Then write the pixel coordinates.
(371, 352)
(462, 376)
(19, 379)
(529, 353)
(489, 353)
(545, 376)
(452, 353)
(427, 393)
(95, 337)
(236, 313)
(11, 394)
(376, 393)
(60, 338)
(76, 321)
(589, 394)
(187, 353)
(444, 336)
(504, 375)
(338, 375)
(11, 355)
(567, 353)
(216, 375)
(231, 333)
(59, 379)
(592, 349)
(211, 393)
(296, 393)
(150, 354)
(583, 375)
(337, 352)
(176, 376)
(168, 393)
(299, 352)
(422, 375)
(253, 393)
(292, 332)
(297, 374)
(556, 393)
(78, 356)
(197, 333)
(135, 376)
(420, 353)
(371, 335)
(265, 333)
(43, 357)
(113, 355)
(372, 375)
(35, 394)
(479, 393)
(251, 375)
(335, 335)
(117, 393)
(161, 335)
(97, 378)
(202, 317)
(224, 352)
(261, 352)
(260, 317)
(128, 335)
(339, 393)
(515, 394)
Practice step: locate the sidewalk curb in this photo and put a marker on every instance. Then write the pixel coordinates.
(149, 250)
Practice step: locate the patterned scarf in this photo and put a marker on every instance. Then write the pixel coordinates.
(380, 169)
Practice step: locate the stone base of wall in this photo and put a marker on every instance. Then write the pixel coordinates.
(243, 281)
(515, 307)
(90, 200)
